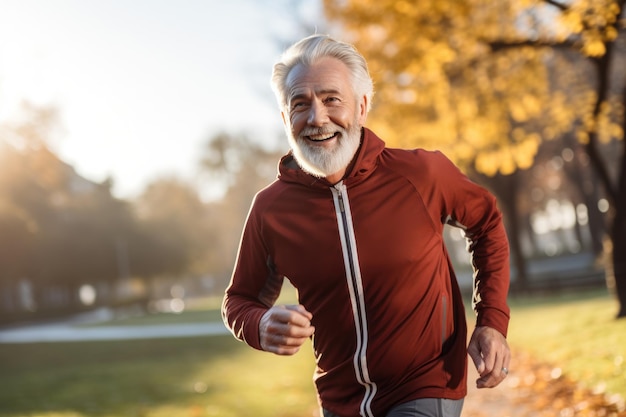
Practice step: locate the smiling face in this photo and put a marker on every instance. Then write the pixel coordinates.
(325, 117)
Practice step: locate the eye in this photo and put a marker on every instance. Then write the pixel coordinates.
(298, 105)
(331, 100)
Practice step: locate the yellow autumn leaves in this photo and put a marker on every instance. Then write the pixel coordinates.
(478, 79)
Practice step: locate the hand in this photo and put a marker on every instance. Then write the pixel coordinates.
(283, 329)
(491, 355)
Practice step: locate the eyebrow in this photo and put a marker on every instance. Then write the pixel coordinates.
(326, 91)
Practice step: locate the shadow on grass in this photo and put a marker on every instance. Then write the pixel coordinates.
(108, 378)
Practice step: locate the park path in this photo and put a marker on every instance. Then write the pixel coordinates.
(75, 329)
(65, 333)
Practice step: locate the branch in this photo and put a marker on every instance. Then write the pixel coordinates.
(556, 4)
(500, 45)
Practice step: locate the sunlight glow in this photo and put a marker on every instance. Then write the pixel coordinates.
(582, 214)
(141, 85)
(603, 205)
(557, 215)
(87, 295)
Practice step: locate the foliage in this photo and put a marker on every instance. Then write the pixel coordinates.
(246, 167)
(173, 225)
(488, 82)
(58, 229)
(477, 78)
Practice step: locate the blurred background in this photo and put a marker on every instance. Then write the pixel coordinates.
(133, 138)
(134, 135)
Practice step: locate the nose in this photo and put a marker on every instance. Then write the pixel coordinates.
(318, 114)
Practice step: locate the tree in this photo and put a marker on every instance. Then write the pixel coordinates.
(486, 82)
(245, 167)
(58, 230)
(172, 230)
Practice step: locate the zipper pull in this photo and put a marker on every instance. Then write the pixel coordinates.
(340, 190)
(341, 206)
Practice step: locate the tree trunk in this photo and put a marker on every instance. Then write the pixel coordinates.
(618, 231)
(617, 194)
(619, 261)
(596, 219)
(586, 180)
(509, 205)
(526, 225)
(506, 189)
(518, 259)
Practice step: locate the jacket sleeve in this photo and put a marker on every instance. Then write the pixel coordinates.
(254, 286)
(464, 204)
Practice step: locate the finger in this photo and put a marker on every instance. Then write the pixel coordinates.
(297, 307)
(279, 334)
(502, 358)
(497, 375)
(289, 330)
(489, 355)
(492, 347)
(474, 352)
(280, 314)
(490, 380)
(282, 350)
(302, 312)
(487, 381)
(282, 344)
(285, 340)
(291, 314)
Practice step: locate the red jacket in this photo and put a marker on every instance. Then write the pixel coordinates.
(369, 262)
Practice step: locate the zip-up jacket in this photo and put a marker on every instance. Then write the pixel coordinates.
(368, 259)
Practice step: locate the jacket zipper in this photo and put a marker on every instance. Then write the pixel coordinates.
(355, 286)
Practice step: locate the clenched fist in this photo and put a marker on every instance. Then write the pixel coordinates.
(283, 329)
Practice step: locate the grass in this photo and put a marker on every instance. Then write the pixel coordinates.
(218, 376)
(211, 376)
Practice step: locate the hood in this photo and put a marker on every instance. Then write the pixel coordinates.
(361, 167)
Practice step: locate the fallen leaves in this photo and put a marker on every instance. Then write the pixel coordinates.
(545, 390)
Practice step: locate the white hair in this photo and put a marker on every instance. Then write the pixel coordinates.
(309, 50)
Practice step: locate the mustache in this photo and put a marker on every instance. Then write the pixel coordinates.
(322, 130)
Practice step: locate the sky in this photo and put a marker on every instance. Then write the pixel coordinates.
(142, 85)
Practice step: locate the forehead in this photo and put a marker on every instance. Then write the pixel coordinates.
(325, 74)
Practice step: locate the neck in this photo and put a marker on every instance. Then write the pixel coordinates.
(336, 177)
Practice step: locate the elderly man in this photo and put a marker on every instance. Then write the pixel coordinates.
(357, 228)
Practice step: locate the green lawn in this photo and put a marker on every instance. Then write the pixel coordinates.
(218, 376)
(210, 376)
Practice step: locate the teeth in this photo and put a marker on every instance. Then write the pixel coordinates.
(322, 137)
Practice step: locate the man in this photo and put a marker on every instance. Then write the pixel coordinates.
(358, 229)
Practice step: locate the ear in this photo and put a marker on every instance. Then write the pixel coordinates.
(362, 110)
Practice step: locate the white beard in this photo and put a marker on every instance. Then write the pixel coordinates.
(320, 161)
